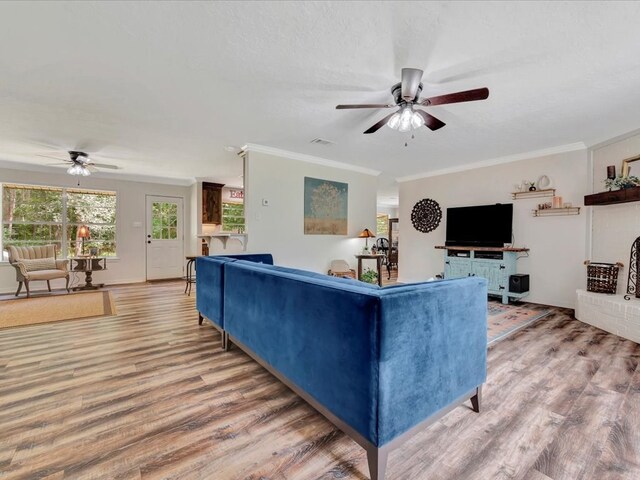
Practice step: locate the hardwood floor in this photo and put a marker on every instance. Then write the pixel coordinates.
(149, 394)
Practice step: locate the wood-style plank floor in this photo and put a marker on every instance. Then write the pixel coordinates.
(148, 394)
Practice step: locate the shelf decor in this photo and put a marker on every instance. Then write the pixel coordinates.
(550, 212)
(426, 215)
(549, 192)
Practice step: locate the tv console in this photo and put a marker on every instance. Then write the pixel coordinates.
(496, 264)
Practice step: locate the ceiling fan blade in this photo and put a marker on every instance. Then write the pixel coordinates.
(466, 96)
(91, 168)
(364, 105)
(66, 164)
(104, 165)
(380, 124)
(61, 157)
(430, 121)
(410, 83)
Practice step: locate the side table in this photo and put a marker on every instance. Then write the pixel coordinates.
(88, 265)
(378, 257)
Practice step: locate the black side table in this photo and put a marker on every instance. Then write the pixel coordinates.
(88, 265)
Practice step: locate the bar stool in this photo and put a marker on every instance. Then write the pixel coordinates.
(191, 277)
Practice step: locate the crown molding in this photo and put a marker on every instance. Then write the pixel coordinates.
(571, 147)
(29, 167)
(303, 157)
(612, 140)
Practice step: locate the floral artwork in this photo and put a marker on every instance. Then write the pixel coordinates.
(325, 207)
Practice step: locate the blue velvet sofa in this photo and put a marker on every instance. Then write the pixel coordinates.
(380, 363)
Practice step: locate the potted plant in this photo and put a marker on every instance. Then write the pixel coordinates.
(369, 276)
(621, 182)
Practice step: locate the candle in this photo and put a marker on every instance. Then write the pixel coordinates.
(557, 202)
(611, 171)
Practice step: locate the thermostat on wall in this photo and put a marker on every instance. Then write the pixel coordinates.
(265, 202)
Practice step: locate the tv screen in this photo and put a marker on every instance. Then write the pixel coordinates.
(483, 225)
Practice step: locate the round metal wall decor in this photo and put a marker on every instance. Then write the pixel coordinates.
(426, 215)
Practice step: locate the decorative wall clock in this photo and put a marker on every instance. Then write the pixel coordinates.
(426, 215)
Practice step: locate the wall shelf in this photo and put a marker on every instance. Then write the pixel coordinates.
(617, 196)
(549, 192)
(224, 237)
(554, 212)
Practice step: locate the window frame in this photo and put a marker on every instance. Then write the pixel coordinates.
(66, 249)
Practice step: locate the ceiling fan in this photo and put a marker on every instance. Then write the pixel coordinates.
(406, 96)
(80, 164)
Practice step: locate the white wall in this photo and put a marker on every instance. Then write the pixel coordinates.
(279, 228)
(614, 227)
(558, 244)
(130, 266)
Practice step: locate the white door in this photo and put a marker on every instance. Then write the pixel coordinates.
(165, 241)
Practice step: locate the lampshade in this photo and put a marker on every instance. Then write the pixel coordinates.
(366, 233)
(83, 231)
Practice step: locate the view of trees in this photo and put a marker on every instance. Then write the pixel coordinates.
(232, 217)
(33, 215)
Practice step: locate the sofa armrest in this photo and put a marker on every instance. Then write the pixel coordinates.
(433, 349)
(21, 270)
(62, 265)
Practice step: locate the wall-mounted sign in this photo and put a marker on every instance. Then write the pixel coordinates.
(236, 193)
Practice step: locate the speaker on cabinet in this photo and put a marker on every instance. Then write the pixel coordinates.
(519, 283)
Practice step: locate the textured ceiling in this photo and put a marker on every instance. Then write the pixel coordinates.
(161, 88)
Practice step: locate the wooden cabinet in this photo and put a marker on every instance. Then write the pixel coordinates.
(496, 265)
(212, 203)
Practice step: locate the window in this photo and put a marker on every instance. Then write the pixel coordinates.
(164, 221)
(382, 225)
(34, 215)
(232, 217)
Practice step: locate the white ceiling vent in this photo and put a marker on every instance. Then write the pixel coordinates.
(321, 141)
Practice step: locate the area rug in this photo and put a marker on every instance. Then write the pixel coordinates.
(29, 311)
(504, 320)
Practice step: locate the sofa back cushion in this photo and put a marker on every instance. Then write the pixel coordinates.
(39, 264)
(30, 253)
(320, 276)
(318, 333)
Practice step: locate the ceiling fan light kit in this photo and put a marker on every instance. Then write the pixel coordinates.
(77, 169)
(405, 120)
(406, 95)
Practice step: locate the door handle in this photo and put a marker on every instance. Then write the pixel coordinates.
(148, 241)
(148, 236)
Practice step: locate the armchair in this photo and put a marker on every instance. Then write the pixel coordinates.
(37, 264)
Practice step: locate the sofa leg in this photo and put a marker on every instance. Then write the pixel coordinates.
(225, 341)
(200, 318)
(377, 459)
(19, 288)
(476, 400)
(49, 285)
(67, 287)
(26, 285)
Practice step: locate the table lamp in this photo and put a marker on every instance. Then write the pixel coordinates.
(83, 232)
(366, 234)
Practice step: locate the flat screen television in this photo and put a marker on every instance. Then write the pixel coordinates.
(480, 226)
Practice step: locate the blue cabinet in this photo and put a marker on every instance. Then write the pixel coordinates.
(494, 265)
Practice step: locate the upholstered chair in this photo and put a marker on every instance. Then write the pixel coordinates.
(37, 263)
(340, 268)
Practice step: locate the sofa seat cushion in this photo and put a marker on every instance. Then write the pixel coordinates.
(47, 274)
(36, 264)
